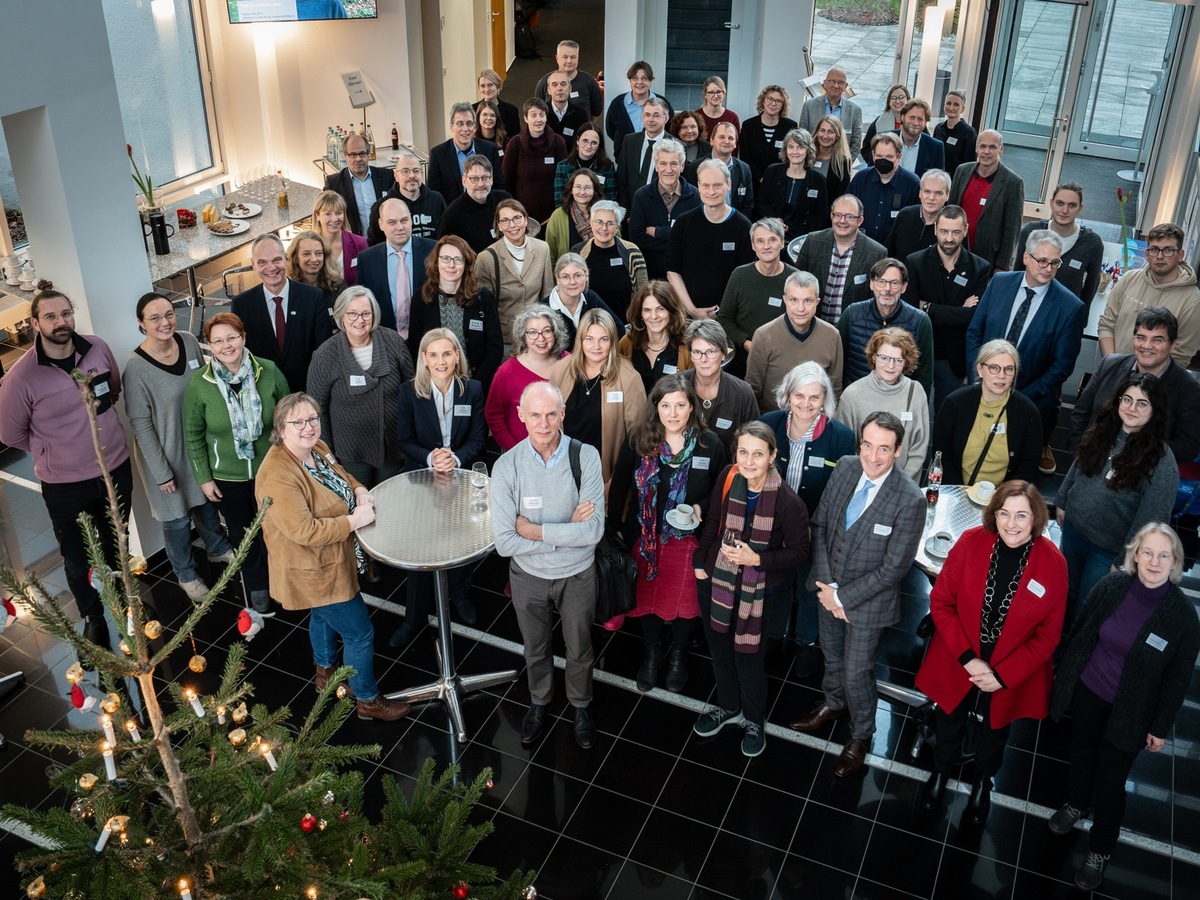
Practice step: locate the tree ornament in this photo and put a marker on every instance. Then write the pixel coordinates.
(125, 648)
(85, 695)
(345, 814)
(328, 798)
(81, 809)
(530, 893)
(460, 891)
(87, 781)
(197, 663)
(8, 613)
(138, 565)
(249, 623)
(240, 714)
(111, 703)
(308, 823)
(152, 629)
(74, 674)
(237, 737)
(342, 692)
(36, 889)
(490, 784)
(322, 825)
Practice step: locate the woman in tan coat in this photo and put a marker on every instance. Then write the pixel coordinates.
(316, 506)
(517, 268)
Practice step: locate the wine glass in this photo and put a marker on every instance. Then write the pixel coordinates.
(731, 538)
(479, 483)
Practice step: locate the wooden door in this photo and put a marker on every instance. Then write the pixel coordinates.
(498, 26)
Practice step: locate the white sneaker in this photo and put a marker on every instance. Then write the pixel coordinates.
(196, 590)
(224, 559)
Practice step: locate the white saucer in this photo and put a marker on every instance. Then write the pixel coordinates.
(974, 498)
(931, 552)
(691, 524)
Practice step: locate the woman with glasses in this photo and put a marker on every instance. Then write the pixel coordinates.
(517, 268)
(616, 267)
(530, 159)
(308, 263)
(726, 401)
(832, 159)
(892, 356)
(451, 298)
(226, 407)
(987, 431)
(571, 223)
(489, 125)
(571, 297)
(154, 381)
(654, 343)
(490, 85)
(713, 110)
(791, 191)
(760, 141)
(539, 337)
(889, 119)
(588, 153)
(342, 245)
(688, 128)
(1124, 476)
(1123, 677)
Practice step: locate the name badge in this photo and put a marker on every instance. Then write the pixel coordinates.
(568, 132)
(882, 530)
(774, 301)
(951, 141)
(499, 152)
(1036, 588)
(723, 424)
(1156, 642)
(1075, 263)
(960, 280)
(531, 502)
(493, 231)
(475, 325)
(700, 462)
(100, 388)
(895, 212)
(193, 363)
(860, 279)
(574, 94)
(999, 428)
(599, 178)
(549, 160)
(742, 191)
(817, 462)
(906, 416)
(670, 370)
(354, 263)
(779, 145)
(462, 409)
(358, 381)
(614, 397)
(616, 261)
(983, 201)
(812, 192)
(728, 245)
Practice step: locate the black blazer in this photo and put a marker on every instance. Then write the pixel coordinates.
(443, 172)
(481, 328)
(373, 274)
(952, 427)
(942, 294)
(629, 161)
(617, 124)
(574, 119)
(339, 182)
(421, 430)
(910, 234)
(308, 326)
(808, 213)
(741, 183)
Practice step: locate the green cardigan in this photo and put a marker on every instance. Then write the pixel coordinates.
(208, 432)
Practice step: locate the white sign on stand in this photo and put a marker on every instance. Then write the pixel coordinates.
(360, 97)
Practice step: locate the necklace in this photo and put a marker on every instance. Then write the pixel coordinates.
(992, 634)
(588, 388)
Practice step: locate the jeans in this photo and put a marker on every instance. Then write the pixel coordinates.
(239, 508)
(349, 621)
(1086, 564)
(177, 535)
(64, 502)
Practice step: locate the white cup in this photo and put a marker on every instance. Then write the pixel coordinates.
(684, 512)
(984, 491)
(942, 542)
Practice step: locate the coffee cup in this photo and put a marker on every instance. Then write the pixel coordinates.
(984, 491)
(942, 542)
(684, 512)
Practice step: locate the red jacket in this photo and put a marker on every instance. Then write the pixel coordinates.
(1022, 655)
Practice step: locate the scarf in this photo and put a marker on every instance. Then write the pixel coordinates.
(582, 221)
(245, 406)
(725, 588)
(647, 478)
(324, 474)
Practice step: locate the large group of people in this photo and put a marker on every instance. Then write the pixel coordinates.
(729, 351)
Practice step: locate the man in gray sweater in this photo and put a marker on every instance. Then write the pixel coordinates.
(548, 523)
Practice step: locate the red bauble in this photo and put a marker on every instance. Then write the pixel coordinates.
(461, 890)
(77, 696)
(308, 823)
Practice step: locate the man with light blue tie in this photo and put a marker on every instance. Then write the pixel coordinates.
(395, 269)
(865, 534)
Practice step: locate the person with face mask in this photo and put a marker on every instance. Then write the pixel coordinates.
(884, 189)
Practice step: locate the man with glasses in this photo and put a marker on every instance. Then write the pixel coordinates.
(472, 215)
(993, 196)
(585, 90)
(1083, 249)
(886, 309)
(834, 103)
(425, 205)
(395, 269)
(841, 258)
(1167, 281)
(636, 156)
(1042, 319)
(360, 184)
(448, 160)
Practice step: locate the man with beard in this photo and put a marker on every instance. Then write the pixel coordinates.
(426, 205)
(472, 215)
(884, 189)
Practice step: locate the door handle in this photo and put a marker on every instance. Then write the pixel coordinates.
(732, 25)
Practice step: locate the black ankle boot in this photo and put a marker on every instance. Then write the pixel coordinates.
(647, 674)
(935, 790)
(980, 803)
(676, 669)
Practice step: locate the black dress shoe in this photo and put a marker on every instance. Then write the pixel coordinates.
(466, 610)
(935, 790)
(95, 629)
(980, 803)
(401, 637)
(533, 724)
(854, 755)
(585, 728)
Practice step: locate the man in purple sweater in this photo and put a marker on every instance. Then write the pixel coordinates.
(42, 412)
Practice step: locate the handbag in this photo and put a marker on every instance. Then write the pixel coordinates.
(616, 572)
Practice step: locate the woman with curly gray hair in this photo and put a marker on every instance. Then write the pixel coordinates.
(539, 336)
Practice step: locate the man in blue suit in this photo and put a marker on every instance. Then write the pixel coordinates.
(1043, 319)
(395, 269)
(919, 151)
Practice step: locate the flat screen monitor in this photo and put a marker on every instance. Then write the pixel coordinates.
(242, 11)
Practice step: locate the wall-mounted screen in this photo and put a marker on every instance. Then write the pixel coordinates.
(241, 11)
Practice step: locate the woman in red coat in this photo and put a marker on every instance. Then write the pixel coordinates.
(998, 608)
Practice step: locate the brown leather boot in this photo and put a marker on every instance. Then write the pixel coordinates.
(324, 673)
(383, 709)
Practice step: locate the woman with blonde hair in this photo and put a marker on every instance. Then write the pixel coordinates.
(342, 245)
(309, 263)
(889, 119)
(833, 159)
(655, 342)
(490, 85)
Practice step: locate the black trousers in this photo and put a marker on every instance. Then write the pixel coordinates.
(64, 502)
(1098, 769)
(951, 728)
(741, 677)
(239, 507)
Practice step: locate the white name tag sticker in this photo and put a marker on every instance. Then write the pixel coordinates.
(906, 416)
(951, 141)
(101, 388)
(1036, 588)
(774, 301)
(741, 192)
(616, 261)
(882, 530)
(568, 132)
(779, 145)
(549, 160)
(1156, 642)
(728, 245)
(701, 462)
(895, 212)
(531, 502)
(670, 370)
(860, 279)
(614, 397)
(574, 94)
(493, 231)
(1075, 263)
(193, 363)
(599, 178)
(723, 424)
(812, 192)
(358, 381)
(475, 325)
(960, 280)
(499, 152)
(354, 263)
(999, 428)
(817, 462)
(462, 409)
(983, 201)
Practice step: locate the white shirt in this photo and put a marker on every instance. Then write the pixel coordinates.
(1039, 294)
(271, 303)
(556, 303)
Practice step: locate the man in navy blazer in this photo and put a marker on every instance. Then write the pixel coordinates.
(1032, 310)
(446, 160)
(377, 265)
(919, 151)
(359, 179)
(301, 307)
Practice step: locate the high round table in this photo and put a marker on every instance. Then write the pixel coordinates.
(431, 522)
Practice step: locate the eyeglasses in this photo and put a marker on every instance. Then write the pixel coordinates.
(51, 318)
(1138, 403)
(846, 217)
(1046, 263)
(836, 82)
(889, 360)
(534, 333)
(301, 424)
(888, 282)
(1161, 251)
(995, 369)
(776, 100)
(479, 179)
(511, 220)
(603, 223)
(409, 171)
(711, 353)
(572, 276)
(359, 316)
(896, 97)
(715, 92)
(451, 260)
(165, 317)
(221, 342)
(1150, 556)
(358, 154)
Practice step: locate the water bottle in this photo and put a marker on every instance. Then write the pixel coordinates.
(935, 479)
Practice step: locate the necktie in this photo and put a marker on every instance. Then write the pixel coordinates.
(857, 504)
(280, 321)
(1014, 331)
(403, 296)
(647, 156)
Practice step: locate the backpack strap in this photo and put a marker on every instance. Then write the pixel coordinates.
(573, 451)
(496, 260)
(733, 470)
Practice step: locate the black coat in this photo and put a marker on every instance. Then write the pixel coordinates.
(444, 175)
(421, 431)
(941, 294)
(339, 183)
(481, 328)
(308, 326)
(808, 212)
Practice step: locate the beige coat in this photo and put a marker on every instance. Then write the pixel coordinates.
(616, 419)
(515, 292)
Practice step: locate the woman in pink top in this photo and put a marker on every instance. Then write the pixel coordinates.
(714, 109)
(343, 245)
(540, 336)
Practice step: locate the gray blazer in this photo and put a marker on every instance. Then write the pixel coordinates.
(1000, 221)
(869, 561)
(814, 257)
(814, 110)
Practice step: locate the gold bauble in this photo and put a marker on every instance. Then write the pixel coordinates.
(125, 648)
(111, 703)
(237, 737)
(37, 888)
(197, 663)
(87, 781)
(138, 565)
(342, 692)
(152, 629)
(240, 714)
(74, 674)
(322, 824)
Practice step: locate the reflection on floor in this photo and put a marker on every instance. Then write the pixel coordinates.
(652, 810)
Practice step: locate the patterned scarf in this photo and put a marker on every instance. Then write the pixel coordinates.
(324, 473)
(583, 222)
(647, 477)
(725, 589)
(244, 405)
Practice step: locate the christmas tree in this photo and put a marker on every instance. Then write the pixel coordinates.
(220, 798)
